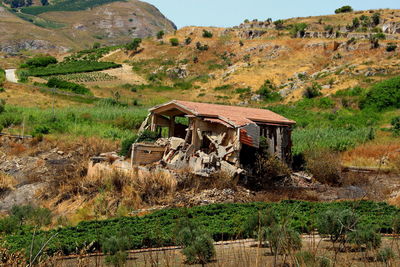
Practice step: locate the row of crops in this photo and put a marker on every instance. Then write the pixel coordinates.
(71, 67)
(71, 5)
(222, 221)
(86, 77)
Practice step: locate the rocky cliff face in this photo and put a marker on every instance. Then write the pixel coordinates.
(113, 23)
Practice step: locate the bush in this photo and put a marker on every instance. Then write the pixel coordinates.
(268, 91)
(41, 130)
(134, 45)
(41, 61)
(383, 95)
(365, 235)
(2, 105)
(336, 224)
(324, 165)
(126, 145)
(68, 86)
(188, 40)
(396, 125)
(115, 248)
(31, 215)
(391, 47)
(344, 9)
(148, 136)
(160, 35)
(298, 29)
(198, 246)
(385, 255)
(174, 41)
(279, 24)
(201, 47)
(306, 258)
(313, 91)
(376, 18)
(207, 34)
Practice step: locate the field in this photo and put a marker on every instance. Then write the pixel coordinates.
(86, 77)
(71, 67)
(222, 221)
(74, 5)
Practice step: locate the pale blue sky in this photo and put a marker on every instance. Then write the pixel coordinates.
(233, 12)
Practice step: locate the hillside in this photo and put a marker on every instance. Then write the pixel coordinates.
(63, 28)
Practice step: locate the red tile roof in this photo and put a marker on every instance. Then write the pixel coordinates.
(234, 115)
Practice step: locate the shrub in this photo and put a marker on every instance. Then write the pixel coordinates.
(198, 246)
(41, 61)
(306, 258)
(376, 18)
(383, 95)
(324, 165)
(279, 24)
(148, 136)
(188, 40)
(115, 247)
(134, 45)
(385, 255)
(40, 130)
(267, 91)
(68, 86)
(2, 105)
(379, 36)
(268, 170)
(365, 235)
(126, 145)
(298, 29)
(391, 47)
(23, 76)
(356, 23)
(201, 47)
(207, 34)
(344, 9)
(329, 29)
(160, 35)
(313, 91)
(396, 125)
(31, 215)
(336, 224)
(174, 41)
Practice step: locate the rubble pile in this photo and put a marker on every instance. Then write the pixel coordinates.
(218, 157)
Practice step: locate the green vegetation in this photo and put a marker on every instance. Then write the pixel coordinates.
(396, 126)
(268, 91)
(72, 5)
(71, 67)
(134, 45)
(2, 79)
(160, 35)
(207, 34)
(39, 61)
(108, 119)
(93, 54)
(383, 95)
(68, 86)
(174, 41)
(391, 47)
(85, 77)
(344, 9)
(221, 221)
(298, 30)
(313, 91)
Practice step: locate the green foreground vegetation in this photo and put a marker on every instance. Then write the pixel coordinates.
(221, 221)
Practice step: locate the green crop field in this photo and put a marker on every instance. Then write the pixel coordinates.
(222, 221)
(71, 5)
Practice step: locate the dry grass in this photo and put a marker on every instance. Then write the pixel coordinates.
(7, 182)
(324, 165)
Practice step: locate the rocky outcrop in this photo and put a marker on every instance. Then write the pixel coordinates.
(13, 47)
(391, 27)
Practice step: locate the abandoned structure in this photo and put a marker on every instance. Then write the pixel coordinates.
(207, 137)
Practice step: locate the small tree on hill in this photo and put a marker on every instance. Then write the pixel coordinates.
(344, 9)
(279, 24)
(174, 41)
(134, 45)
(115, 247)
(376, 18)
(160, 35)
(44, 2)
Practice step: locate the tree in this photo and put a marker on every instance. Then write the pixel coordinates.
(188, 40)
(391, 47)
(160, 35)
(134, 45)
(174, 41)
(365, 235)
(2, 105)
(396, 125)
(376, 18)
(44, 2)
(356, 23)
(344, 9)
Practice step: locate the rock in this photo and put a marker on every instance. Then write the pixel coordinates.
(12, 47)
(22, 195)
(179, 72)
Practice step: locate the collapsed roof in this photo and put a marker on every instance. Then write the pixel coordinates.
(232, 116)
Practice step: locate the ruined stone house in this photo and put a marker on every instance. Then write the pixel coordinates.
(208, 137)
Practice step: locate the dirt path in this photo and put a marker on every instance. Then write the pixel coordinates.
(11, 76)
